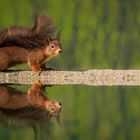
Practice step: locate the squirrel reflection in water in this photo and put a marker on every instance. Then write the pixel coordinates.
(34, 106)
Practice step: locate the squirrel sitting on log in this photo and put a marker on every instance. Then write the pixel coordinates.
(34, 46)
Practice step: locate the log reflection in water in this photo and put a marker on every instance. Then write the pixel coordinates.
(33, 106)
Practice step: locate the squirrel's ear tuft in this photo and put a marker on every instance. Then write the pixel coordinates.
(48, 39)
(58, 120)
(58, 35)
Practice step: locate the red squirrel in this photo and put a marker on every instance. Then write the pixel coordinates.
(34, 45)
(33, 105)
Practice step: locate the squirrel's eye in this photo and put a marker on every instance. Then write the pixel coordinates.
(52, 109)
(52, 46)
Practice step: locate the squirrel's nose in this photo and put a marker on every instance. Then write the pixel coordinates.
(59, 105)
(60, 51)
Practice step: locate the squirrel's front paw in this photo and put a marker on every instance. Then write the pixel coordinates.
(37, 70)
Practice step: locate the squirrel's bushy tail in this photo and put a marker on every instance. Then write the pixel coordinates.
(28, 37)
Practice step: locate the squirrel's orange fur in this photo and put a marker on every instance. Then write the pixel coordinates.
(33, 46)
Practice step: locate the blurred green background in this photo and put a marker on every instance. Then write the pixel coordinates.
(96, 34)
